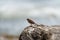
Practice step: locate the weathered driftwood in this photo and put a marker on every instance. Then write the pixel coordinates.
(40, 32)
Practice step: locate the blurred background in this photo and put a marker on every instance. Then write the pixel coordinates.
(13, 15)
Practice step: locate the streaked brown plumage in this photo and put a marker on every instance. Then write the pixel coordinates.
(30, 21)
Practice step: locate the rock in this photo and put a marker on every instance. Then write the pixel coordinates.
(40, 32)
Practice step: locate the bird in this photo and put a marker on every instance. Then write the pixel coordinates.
(30, 21)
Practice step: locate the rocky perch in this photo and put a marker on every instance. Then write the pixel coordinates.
(40, 32)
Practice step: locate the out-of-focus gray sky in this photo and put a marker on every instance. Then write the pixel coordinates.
(20, 8)
(14, 12)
